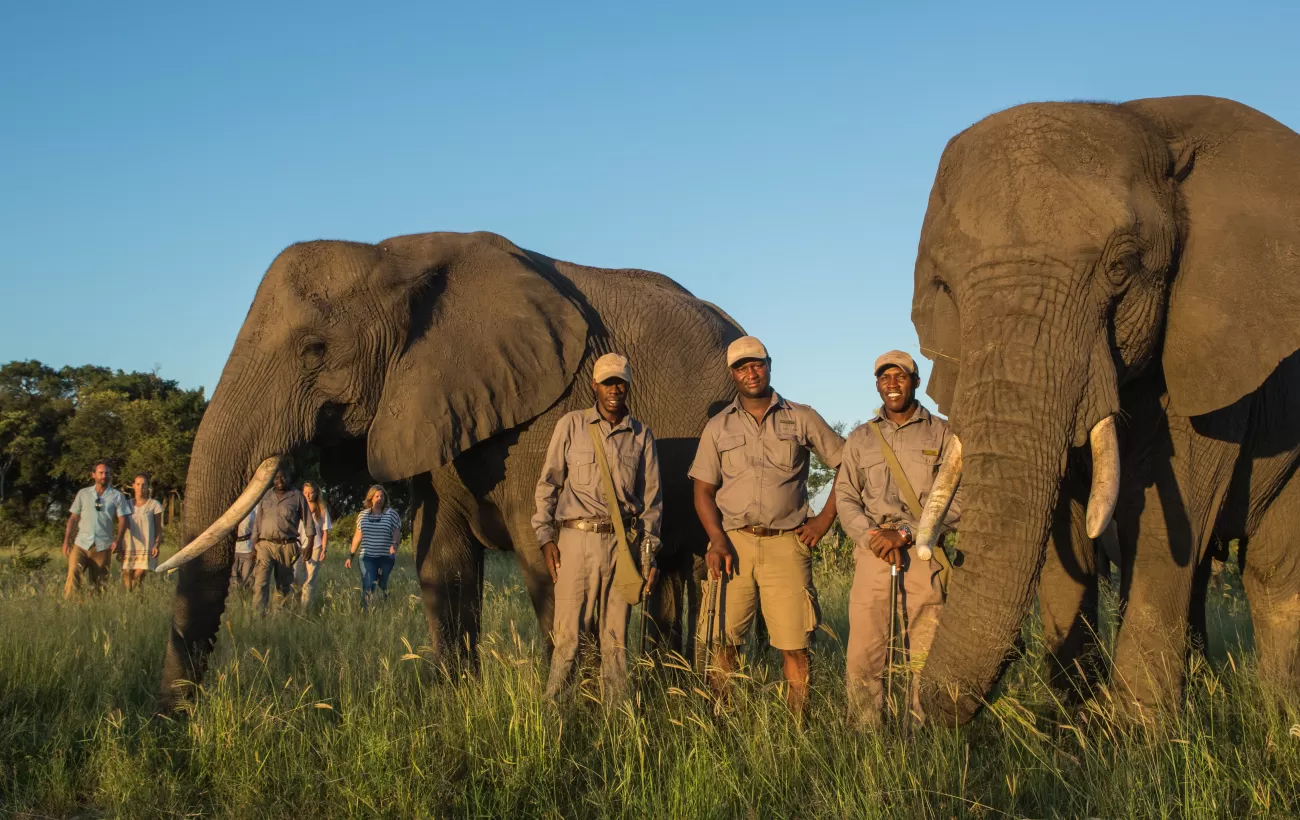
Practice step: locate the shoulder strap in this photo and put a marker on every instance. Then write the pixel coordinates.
(627, 575)
(896, 470)
(913, 503)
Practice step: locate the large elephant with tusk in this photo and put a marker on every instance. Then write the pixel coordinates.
(1111, 297)
(444, 358)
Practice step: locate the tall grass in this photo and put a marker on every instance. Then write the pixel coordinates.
(340, 713)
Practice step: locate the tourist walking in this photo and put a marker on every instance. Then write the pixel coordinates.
(97, 518)
(279, 514)
(379, 531)
(313, 547)
(143, 534)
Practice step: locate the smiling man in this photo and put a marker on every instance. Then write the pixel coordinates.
(751, 494)
(875, 514)
(576, 531)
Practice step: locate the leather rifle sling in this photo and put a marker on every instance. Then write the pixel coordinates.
(625, 567)
(910, 498)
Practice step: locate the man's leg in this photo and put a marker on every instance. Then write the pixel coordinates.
(262, 572)
(73, 584)
(738, 608)
(789, 602)
(868, 639)
(614, 615)
(285, 556)
(571, 610)
(923, 600)
(100, 561)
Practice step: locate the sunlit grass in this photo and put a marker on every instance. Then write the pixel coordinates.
(341, 713)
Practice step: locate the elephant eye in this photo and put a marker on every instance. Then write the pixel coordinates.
(313, 353)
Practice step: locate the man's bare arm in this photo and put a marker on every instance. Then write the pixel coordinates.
(719, 556)
(73, 519)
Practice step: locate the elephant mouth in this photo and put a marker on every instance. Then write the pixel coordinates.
(227, 521)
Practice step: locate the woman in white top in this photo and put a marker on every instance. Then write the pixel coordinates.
(143, 535)
(313, 551)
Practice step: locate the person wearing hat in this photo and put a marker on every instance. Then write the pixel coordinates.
(575, 529)
(874, 513)
(751, 494)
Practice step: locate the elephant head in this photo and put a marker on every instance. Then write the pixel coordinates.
(1066, 249)
(421, 345)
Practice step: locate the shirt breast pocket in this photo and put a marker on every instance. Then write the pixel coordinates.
(732, 450)
(582, 466)
(783, 451)
(873, 475)
(921, 465)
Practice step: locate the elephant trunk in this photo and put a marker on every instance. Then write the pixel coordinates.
(231, 454)
(1015, 429)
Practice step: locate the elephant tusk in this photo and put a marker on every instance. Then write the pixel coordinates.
(936, 506)
(1105, 476)
(257, 487)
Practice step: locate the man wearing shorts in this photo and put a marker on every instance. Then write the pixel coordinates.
(751, 494)
(98, 517)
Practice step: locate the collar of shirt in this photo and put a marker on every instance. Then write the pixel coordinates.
(778, 403)
(920, 415)
(594, 414)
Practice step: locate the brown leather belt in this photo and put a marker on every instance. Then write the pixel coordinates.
(279, 540)
(764, 532)
(602, 525)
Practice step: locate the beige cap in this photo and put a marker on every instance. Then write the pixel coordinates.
(611, 366)
(746, 347)
(895, 357)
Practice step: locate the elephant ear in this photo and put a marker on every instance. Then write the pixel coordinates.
(494, 339)
(1236, 294)
(934, 313)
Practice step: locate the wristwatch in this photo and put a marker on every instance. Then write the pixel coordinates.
(907, 533)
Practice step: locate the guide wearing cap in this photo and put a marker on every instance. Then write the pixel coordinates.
(876, 511)
(578, 535)
(751, 494)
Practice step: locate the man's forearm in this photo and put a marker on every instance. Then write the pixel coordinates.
(710, 517)
(67, 531)
(827, 515)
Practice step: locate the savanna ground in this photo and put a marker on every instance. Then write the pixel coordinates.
(337, 713)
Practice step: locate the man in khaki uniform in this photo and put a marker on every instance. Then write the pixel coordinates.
(751, 494)
(874, 514)
(576, 533)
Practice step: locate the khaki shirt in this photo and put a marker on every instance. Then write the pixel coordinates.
(867, 496)
(570, 485)
(278, 516)
(761, 470)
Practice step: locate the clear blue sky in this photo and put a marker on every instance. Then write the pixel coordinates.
(774, 159)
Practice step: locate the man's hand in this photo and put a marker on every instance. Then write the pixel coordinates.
(719, 558)
(551, 553)
(887, 545)
(811, 531)
(66, 549)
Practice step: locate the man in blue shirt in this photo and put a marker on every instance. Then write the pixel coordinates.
(98, 515)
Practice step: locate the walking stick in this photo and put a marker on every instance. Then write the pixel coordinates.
(704, 626)
(645, 599)
(893, 629)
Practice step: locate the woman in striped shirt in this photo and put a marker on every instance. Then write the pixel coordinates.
(379, 530)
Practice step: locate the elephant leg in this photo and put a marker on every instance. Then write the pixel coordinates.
(1067, 600)
(1159, 551)
(537, 580)
(450, 564)
(1272, 580)
(200, 601)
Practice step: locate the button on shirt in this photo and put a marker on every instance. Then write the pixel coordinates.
(867, 496)
(97, 528)
(278, 516)
(761, 469)
(570, 484)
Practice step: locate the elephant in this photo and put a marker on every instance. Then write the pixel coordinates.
(1110, 295)
(444, 358)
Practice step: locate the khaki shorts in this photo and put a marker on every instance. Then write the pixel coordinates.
(776, 574)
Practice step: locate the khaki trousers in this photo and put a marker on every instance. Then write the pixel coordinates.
(94, 562)
(304, 575)
(586, 601)
(274, 564)
(920, 601)
(241, 575)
